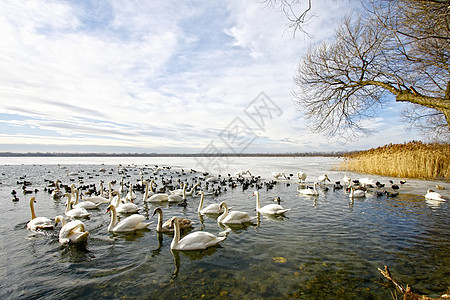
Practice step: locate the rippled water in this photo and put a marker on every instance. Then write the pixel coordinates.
(328, 247)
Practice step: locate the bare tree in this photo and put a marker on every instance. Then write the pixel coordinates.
(400, 48)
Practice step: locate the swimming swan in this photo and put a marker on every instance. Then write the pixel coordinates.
(168, 225)
(432, 195)
(74, 212)
(198, 240)
(71, 232)
(213, 208)
(38, 222)
(356, 193)
(124, 206)
(308, 191)
(234, 217)
(269, 209)
(131, 223)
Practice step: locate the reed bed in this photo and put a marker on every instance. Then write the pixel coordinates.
(409, 160)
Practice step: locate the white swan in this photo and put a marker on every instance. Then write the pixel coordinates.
(179, 191)
(278, 175)
(175, 197)
(323, 178)
(309, 191)
(346, 179)
(71, 232)
(198, 240)
(366, 181)
(269, 209)
(131, 195)
(86, 204)
(191, 191)
(74, 212)
(131, 223)
(38, 222)
(301, 176)
(125, 207)
(168, 225)
(213, 208)
(354, 193)
(242, 173)
(147, 192)
(234, 217)
(432, 195)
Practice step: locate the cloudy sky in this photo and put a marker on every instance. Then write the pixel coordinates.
(162, 76)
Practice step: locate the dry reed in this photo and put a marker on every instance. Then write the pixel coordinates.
(409, 160)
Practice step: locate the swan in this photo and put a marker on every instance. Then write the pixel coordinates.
(38, 222)
(179, 191)
(301, 176)
(168, 225)
(131, 195)
(131, 223)
(354, 193)
(346, 179)
(323, 178)
(367, 181)
(71, 232)
(198, 240)
(213, 208)
(309, 191)
(432, 195)
(234, 217)
(269, 209)
(121, 188)
(74, 212)
(57, 193)
(148, 192)
(175, 197)
(242, 173)
(278, 175)
(86, 204)
(125, 207)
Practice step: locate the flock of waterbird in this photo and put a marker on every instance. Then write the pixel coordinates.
(175, 188)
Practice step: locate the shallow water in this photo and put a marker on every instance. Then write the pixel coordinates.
(327, 247)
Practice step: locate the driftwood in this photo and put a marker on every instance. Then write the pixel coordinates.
(407, 292)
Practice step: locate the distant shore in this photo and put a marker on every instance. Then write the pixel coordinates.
(67, 154)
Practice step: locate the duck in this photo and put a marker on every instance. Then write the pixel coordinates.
(168, 225)
(38, 222)
(234, 217)
(198, 240)
(125, 207)
(213, 208)
(432, 195)
(74, 212)
(129, 224)
(71, 232)
(310, 191)
(269, 209)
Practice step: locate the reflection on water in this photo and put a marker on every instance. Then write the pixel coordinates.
(326, 246)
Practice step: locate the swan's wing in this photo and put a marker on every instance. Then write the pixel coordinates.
(40, 222)
(211, 209)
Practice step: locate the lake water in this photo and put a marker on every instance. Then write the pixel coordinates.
(327, 248)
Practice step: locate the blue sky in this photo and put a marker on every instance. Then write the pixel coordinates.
(162, 76)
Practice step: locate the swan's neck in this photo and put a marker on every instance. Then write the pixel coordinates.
(68, 203)
(101, 189)
(176, 234)
(151, 186)
(224, 214)
(76, 194)
(200, 206)
(160, 221)
(146, 190)
(33, 215)
(257, 201)
(113, 222)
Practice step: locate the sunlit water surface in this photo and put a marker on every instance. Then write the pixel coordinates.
(328, 247)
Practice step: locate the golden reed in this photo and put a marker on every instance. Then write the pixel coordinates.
(409, 160)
